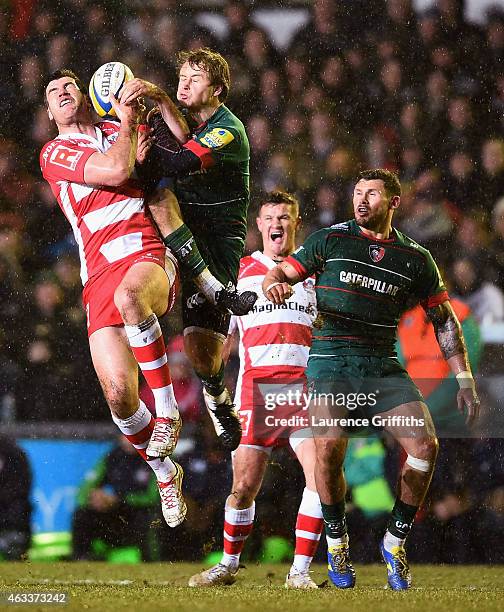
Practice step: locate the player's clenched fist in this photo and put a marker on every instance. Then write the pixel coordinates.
(278, 292)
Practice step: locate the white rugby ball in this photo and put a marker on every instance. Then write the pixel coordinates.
(109, 78)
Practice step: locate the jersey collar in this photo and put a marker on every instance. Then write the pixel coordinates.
(393, 234)
(264, 259)
(98, 139)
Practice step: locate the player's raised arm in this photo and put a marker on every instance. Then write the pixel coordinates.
(277, 282)
(114, 167)
(451, 342)
(138, 88)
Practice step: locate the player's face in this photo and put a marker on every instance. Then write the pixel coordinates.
(278, 224)
(66, 102)
(371, 204)
(195, 91)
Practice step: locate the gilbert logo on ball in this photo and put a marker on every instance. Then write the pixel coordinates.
(109, 78)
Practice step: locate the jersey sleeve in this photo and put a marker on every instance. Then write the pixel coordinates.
(64, 161)
(215, 143)
(431, 290)
(310, 257)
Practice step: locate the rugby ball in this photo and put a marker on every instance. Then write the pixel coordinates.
(109, 78)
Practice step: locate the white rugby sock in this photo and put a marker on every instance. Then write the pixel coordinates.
(335, 541)
(208, 284)
(164, 469)
(390, 541)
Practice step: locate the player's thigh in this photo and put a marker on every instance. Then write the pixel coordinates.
(412, 427)
(306, 453)
(147, 282)
(204, 347)
(249, 467)
(116, 369)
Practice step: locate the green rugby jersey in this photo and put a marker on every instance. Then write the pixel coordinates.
(217, 196)
(363, 286)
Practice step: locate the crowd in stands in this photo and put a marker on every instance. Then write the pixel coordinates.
(418, 93)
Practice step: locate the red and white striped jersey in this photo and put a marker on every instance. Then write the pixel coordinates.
(274, 340)
(109, 223)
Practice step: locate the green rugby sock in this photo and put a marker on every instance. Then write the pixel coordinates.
(334, 519)
(401, 519)
(182, 244)
(214, 384)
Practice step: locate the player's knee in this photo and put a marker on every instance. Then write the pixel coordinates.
(330, 452)
(121, 400)
(127, 302)
(423, 456)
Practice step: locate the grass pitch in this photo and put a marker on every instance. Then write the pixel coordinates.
(162, 586)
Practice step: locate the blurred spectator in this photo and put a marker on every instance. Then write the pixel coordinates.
(400, 27)
(115, 504)
(484, 298)
(496, 248)
(435, 107)
(429, 221)
(261, 139)
(462, 182)
(237, 16)
(492, 173)
(463, 132)
(15, 485)
(324, 36)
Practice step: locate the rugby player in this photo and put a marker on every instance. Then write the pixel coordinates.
(273, 348)
(128, 274)
(209, 165)
(367, 274)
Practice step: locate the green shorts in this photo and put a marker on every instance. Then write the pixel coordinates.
(222, 255)
(364, 385)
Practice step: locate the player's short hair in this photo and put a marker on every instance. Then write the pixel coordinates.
(390, 179)
(213, 63)
(59, 74)
(277, 196)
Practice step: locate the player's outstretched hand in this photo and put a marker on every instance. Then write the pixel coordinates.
(138, 88)
(468, 400)
(278, 293)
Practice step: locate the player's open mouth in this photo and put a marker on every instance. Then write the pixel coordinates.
(65, 102)
(277, 236)
(362, 210)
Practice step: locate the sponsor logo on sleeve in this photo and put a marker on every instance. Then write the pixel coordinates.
(217, 138)
(65, 157)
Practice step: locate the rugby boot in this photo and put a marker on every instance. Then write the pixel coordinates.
(340, 569)
(172, 502)
(232, 302)
(299, 580)
(398, 572)
(218, 575)
(225, 420)
(164, 437)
